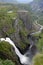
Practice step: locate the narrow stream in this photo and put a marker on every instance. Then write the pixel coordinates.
(39, 31)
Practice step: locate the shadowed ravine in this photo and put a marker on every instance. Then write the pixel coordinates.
(25, 59)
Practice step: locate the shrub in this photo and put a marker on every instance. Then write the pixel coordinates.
(38, 59)
(6, 62)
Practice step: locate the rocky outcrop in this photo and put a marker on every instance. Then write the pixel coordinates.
(37, 6)
(26, 18)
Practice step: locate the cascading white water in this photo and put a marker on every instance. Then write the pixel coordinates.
(23, 58)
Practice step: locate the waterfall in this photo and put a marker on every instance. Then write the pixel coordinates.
(23, 58)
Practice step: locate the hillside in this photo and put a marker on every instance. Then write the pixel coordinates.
(37, 5)
(37, 8)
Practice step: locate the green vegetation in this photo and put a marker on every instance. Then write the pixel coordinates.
(7, 18)
(40, 20)
(40, 43)
(6, 62)
(38, 59)
(5, 47)
(6, 53)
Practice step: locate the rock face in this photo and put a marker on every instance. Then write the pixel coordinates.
(16, 26)
(26, 18)
(37, 6)
(37, 9)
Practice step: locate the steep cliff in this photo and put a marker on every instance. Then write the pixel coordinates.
(37, 8)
